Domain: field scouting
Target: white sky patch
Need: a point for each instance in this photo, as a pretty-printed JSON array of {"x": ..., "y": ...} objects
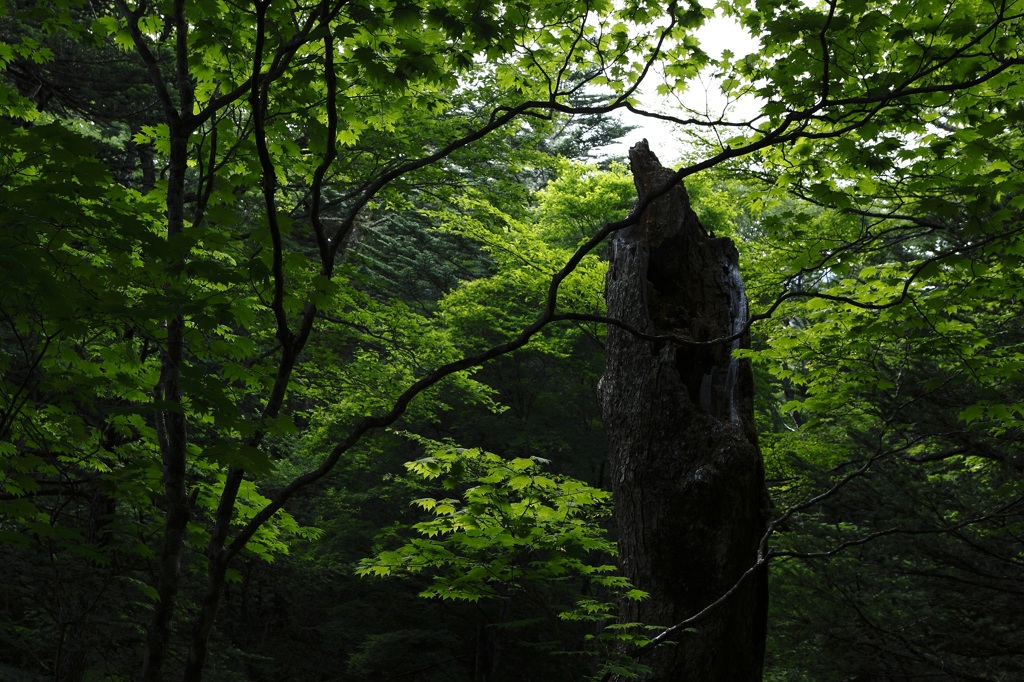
[{"x": 703, "y": 98}]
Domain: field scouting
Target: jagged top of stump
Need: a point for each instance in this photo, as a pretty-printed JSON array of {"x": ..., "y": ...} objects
[{"x": 648, "y": 173}]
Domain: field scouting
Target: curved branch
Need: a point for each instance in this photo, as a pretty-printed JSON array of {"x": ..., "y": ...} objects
[
  {"x": 863, "y": 540},
  {"x": 696, "y": 618},
  {"x": 825, "y": 57},
  {"x": 148, "y": 59}
]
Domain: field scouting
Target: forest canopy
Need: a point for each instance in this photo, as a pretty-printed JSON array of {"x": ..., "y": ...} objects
[{"x": 302, "y": 320}]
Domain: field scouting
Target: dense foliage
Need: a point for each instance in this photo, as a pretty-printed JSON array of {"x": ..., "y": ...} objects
[{"x": 258, "y": 256}]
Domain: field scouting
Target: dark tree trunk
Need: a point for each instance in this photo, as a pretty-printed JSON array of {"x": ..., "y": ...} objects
[{"x": 687, "y": 475}]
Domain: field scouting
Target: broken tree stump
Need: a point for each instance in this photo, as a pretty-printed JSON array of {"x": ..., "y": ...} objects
[{"x": 687, "y": 475}]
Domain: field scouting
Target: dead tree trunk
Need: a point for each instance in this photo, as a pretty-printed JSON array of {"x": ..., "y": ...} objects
[{"x": 687, "y": 475}]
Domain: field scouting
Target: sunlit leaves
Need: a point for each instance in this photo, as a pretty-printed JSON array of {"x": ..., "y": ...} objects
[
  {"x": 512, "y": 524},
  {"x": 866, "y": 63},
  {"x": 528, "y": 252}
]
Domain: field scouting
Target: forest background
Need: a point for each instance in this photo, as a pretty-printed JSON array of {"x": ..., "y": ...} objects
[{"x": 257, "y": 257}]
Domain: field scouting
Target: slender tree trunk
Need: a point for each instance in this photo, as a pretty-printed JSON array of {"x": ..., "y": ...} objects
[
  {"x": 687, "y": 475},
  {"x": 171, "y": 428}
]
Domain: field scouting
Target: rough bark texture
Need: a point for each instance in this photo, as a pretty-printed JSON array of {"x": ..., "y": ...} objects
[{"x": 690, "y": 500}]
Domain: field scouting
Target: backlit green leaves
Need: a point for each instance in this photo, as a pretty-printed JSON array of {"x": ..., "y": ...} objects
[
  {"x": 528, "y": 251},
  {"x": 511, "y": 525}
]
